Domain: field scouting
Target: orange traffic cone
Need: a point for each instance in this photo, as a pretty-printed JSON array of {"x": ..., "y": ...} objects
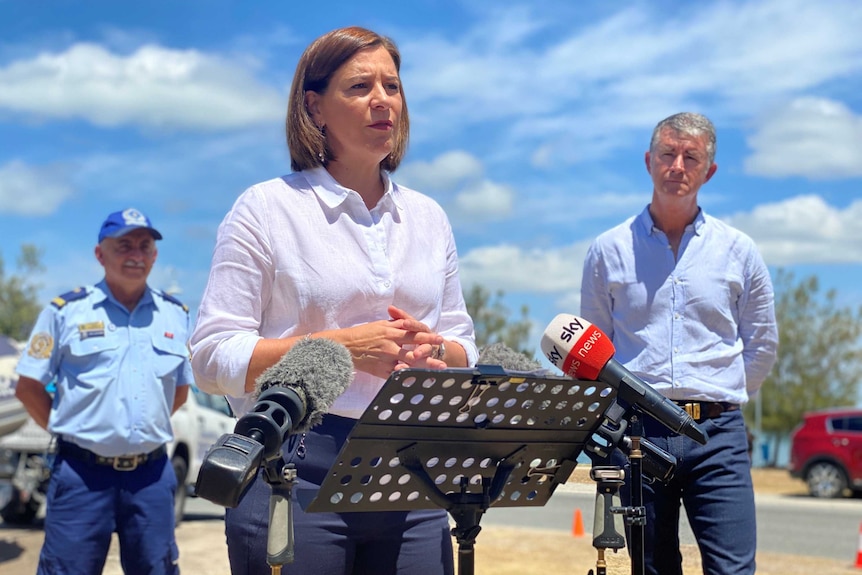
[
  {"x": 578, "y": 524},
  {"x": 859, "y": 550}
]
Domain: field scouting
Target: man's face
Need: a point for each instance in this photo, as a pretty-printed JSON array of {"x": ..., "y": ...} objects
[
  {"x": 679, "y": 163},
  {"x": 128, "y": 259}
]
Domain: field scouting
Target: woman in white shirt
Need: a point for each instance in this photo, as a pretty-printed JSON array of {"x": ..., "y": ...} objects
[{"x": 335, "y": 250}]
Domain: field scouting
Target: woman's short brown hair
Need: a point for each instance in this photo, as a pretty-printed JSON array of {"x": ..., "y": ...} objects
[{"x": 315, "y": 68}]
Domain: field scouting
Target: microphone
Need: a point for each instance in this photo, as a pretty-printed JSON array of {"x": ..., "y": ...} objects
[
  {"x": 317, "y": 370},
  {"x": 583, "y": 351},
  {"x": 507, "y": 358},
  {"x": 292, "y": 396}
]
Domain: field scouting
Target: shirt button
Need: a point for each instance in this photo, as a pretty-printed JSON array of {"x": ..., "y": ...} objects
[
  {"x": 387, "y": 283},
  {"x": 676, "y": 316}
]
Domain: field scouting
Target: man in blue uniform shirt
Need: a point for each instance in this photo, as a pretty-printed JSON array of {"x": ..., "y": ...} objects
[{"x": 118, "y": 353}]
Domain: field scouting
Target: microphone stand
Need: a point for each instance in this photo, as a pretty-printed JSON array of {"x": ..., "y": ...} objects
[
  {"x": 281, "y": 478},
  {"x": 641, "y": 455},
  {"x": 636, "y": 515},
  {"x": 607, "y": 521}
]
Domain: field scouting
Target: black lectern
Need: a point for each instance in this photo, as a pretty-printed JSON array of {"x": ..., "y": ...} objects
[{"x": 464, "y": 440}]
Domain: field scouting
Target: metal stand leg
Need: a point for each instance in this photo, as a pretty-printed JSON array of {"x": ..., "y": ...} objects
[
  {"x": 607, "y": 521},
  {"x": 279, "y": 544},
  {"x": 609, "y": 516},
  {"x": 636, "y": 518}
]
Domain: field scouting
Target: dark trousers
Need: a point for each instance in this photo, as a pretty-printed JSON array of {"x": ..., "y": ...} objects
[
  {"x": 713, "y": 484},
  {"x": 87, "y": 503},
  {"x": 380, "y": 543}
]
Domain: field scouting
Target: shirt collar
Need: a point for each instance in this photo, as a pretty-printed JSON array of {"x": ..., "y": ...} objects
[
  {"x": 102, "y": 292},
  {"x": 333, "y": 194},
  {"x": 648, "y": 225}
]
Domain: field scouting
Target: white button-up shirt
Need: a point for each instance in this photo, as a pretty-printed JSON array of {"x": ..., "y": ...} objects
[{"x": 302, "y": 254}]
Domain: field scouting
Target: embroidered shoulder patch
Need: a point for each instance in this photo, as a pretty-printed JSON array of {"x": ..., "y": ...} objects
[{"x": 41, "y": 345}]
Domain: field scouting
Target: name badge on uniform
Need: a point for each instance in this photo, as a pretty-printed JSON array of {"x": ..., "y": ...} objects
[{"x": 91, "y": 329}]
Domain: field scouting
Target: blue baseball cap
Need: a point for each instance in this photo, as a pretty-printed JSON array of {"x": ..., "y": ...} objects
[{"x": 120, "y": 223}]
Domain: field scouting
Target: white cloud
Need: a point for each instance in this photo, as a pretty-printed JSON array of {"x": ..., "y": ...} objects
[
  {"x": 154, "y": 87},
  {"x": 804, "y": 230},
  {"x": 810, "y": 137},
  {"x": 476, "y": 198},
  {"x": 486, "y": 200},
  {"x": 797, "y": 231},
  {"x": 580, "y": 96},
  {"x": 30, "y": 191},
  {"x": 444, "y": 173},
  {"x": 515, "y": 269}
]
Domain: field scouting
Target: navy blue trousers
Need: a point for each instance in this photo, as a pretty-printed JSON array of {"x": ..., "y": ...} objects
[
  {"x": 358, "y": 543},
  {"x": 713, "y": 484},
  {"x": 87, "y": 503}
]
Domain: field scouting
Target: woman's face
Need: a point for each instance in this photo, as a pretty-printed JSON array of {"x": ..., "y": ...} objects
[{"x": 361, "y": 108}]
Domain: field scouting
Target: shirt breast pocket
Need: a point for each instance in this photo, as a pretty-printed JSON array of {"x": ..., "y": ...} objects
[
  {"x": 94, "y": 359},
  {"x": 168, "y": 358}
]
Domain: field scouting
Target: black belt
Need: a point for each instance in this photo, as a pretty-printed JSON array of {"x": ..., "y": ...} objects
[
  {"x": 120, "y": 463},
  {"x": 700, "y": 410}
]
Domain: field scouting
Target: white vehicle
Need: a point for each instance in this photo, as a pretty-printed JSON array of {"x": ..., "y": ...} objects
[
  {"x": 26, "y": 454},
  {"x": 12, "y": 413}
]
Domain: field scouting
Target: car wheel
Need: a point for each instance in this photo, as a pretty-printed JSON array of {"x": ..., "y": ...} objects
[
  {"x": 826, "y": 480},
  {"x": 181, "y": 470}
]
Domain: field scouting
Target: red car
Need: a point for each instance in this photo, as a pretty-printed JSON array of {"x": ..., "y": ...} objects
[{"x": 826, "y": 451}]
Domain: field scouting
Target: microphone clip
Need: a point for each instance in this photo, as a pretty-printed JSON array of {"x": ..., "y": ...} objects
[{"x": 658, "y": 464}]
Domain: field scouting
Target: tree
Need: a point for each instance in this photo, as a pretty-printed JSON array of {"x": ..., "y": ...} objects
[
  {"x": 19, "y": 301},
  {"x": 819, "y": 356},
  {"x": 492, "y": 323}
]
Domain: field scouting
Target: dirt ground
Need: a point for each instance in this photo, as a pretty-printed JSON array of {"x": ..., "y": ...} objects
[{"x": 499, "y": 550}]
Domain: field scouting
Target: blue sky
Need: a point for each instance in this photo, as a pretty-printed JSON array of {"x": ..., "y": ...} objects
[{"x": 529, "y": 122}]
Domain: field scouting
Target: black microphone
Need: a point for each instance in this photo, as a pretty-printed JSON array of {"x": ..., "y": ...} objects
[
  {"x": 507, "y": 358},
  {"x": 292, "y": 396},
  {"x": 583, "y": 351}
]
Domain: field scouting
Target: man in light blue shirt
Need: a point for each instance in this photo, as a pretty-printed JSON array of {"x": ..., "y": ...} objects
[
  {"x": 118, "y": 354},
  {"x": 689, "y": 305}
]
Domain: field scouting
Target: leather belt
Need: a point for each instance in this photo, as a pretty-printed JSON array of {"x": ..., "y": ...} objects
[
  {"x": 120, "y": 462},
  {"x": 700, "y": 410}
]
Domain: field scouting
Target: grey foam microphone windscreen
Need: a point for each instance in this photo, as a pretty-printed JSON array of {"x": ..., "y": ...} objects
[
  {"x": 506, "y": 357},
  {"x": 319, "y": 369}
]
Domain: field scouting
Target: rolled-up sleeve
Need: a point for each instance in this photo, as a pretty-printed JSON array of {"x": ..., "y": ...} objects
[
  {"x": 455, "y": 323},
  {"x": 239, "y": 284}
]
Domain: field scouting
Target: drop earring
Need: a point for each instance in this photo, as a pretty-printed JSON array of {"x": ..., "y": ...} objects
[{"x": 321, "y": 155}]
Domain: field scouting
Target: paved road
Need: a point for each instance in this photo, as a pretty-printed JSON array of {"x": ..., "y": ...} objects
[
  {"x": 794, "y": 525},
  {"x": 786, "y": 524}
]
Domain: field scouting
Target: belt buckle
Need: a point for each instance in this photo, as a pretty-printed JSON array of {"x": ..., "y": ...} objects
[
  {"x": 693, "y": 409},
  {"x": 125, "y": 463}
]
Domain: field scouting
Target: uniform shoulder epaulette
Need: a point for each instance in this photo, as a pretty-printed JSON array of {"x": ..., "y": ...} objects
[
  {"x": 174, "y": 300},
  {"x": 76, "y": 294}
]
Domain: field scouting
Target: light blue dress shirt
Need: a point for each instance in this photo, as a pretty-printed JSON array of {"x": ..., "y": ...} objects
[
  {"x": 699, "y": 326},
  {"x": 116, "y": 371}
]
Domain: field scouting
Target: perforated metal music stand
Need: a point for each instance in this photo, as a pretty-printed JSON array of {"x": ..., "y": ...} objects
[{"x": 464, "y": 440}]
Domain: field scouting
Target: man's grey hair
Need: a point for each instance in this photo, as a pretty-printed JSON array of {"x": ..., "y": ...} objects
[{"x": 690, "y": 124}]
